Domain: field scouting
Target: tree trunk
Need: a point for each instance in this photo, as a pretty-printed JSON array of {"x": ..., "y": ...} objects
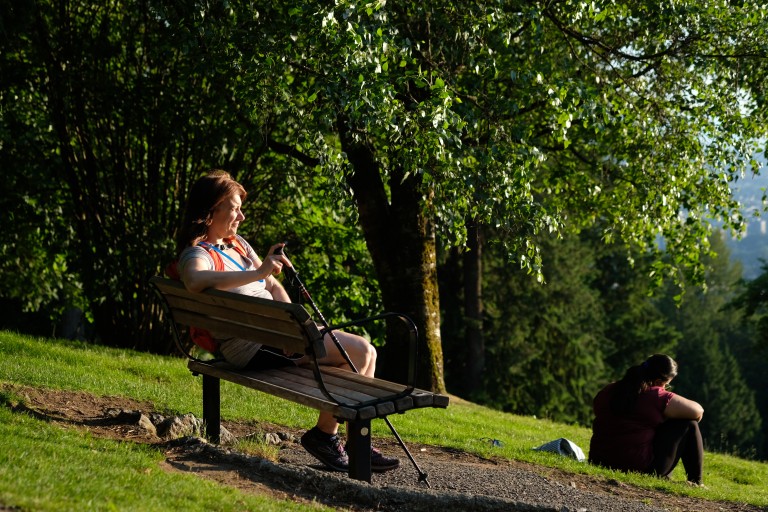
[
  {"x": 473, "y": 309},
  {"x": 401, "y": 240}
]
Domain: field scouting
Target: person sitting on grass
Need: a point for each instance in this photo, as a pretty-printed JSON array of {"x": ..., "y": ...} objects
[
  {"x": 211, "y": 219},
  {"x": 641, "y": 426}
]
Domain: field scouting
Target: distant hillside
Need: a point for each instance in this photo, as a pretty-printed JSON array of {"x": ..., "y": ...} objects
[{"x": 754, "y": 245}]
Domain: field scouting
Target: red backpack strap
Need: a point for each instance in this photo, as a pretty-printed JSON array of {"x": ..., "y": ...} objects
[
  {"x": 239, "y": 247},
  {"x": 218, "y": 263},
  {"x": 172, "y": 270},
  {"x": 203, "y": 339},
  {"x": 200, "y": 337}
]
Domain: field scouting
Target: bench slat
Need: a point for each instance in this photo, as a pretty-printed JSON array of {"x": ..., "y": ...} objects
[
  {"x": 298, "y": 384},
  {"x": 388, "y": 386},
  {"x": 337, "y": 389},
  {"x": 274, "y": 386},
  {"x": 343, "y": 378},
  {"x": 276, "y": 319},
  {"x": 256, "y": 305},
  {"x": 278, "y": 377},
  {"x": 421, "y": 397},
  {"x": 346, "y": 391},
  {"x": 215, "y": 302},
  {"x": 226, "y": 329},
  {"x": 375, "y": 388}
]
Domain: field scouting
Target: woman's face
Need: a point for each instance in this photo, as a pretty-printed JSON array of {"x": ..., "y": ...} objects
[{"x": 226, "y": 218}]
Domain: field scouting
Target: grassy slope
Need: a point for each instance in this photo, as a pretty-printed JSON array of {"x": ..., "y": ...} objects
[{"x": 165, "y": 381}]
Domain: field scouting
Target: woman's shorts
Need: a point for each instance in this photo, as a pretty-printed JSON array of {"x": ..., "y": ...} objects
[{"x": 269, "y": 357}]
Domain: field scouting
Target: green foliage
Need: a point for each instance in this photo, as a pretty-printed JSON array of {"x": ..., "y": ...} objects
[
  {"x": 753, "y": 302},
  {"x": 325, "y": 246},
  {"x": 127, "y": 112},
  {"x": 635, "y": 327},
  {"x": 33, "y": 253},
  {"x": 751, "y": 349},
  {"x": 529, "y": 117},
  {"x": 711, "y": 375},
  {"x": 544, "y": 344}
]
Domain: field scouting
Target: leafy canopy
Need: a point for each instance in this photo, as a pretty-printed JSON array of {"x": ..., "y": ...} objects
[{"x": 530, "y": 116}]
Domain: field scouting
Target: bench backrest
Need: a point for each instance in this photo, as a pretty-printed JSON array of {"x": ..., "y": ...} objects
[{"x": 277, "y": 324}]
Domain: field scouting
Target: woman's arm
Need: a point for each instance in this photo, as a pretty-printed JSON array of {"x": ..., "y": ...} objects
[
  {"x": 196, "y": 276},
  {"x": 276, "y": 289},
  {"x": 684, "y": 409}
]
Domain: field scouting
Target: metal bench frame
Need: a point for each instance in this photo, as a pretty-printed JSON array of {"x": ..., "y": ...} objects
[{"x": 350, "y": 397}]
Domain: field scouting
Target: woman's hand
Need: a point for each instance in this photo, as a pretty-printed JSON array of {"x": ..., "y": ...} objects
[{"x": 273, "y": 262}]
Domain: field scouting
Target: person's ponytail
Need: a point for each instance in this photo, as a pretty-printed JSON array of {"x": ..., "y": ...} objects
[
  {"x": 638, "y": 379},
  {"x": 626, "y": 391}
]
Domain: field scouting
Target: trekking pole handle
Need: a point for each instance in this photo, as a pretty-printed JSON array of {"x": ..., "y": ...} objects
[{"x": 289, "y": 271}]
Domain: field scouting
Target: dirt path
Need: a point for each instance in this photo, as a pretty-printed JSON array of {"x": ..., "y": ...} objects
[{"x": 458, "y": 480}]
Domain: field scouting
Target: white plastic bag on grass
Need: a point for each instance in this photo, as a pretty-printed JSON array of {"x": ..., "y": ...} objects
[{"x": 563, "y": 446}]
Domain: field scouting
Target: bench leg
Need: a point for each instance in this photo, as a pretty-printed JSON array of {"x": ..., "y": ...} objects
[
  {"x": 359, "y": 449},
  {"x": 212, "y": 407}
]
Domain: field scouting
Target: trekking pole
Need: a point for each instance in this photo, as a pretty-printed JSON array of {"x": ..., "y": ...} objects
[{"x": 292, "y": 275}]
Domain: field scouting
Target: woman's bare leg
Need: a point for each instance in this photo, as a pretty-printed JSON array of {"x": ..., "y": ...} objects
[{"x": 363, "y": 356}]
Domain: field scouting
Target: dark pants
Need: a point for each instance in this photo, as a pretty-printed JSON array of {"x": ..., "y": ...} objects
[
  {"x": 269, "y": 357},
  {"x": 677, "y": 440}
]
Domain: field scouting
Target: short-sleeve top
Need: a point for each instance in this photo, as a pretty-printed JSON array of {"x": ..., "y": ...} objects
[
  {"x": 625, "y": 442},
  {"x": 255, "y": 289},
  {"x": 237, "y": 351}
]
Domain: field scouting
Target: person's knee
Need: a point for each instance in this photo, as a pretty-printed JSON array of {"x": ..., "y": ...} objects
[
  {"x": 690, "y": 424},
  {"x": 676, "y": 428},
  {"x": 371, "y": 353},
  {"x": 680, "y": 423},
  {"x": 367, "y": 351},
  {"x": 362, "y": 353}
]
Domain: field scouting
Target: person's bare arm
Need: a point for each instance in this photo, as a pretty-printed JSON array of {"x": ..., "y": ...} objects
[
  {"x": 277, "y": 290},
  {"x": 684, "y": 409},
  {"x": 197, "y": 277}
]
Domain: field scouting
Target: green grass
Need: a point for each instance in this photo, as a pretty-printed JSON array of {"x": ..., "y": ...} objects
[{"x": 44, "y": 467}]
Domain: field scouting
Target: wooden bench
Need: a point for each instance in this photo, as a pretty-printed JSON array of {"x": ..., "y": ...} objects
[{"x": 350, "y": 397}]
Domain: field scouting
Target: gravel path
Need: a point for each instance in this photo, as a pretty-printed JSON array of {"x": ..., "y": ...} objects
[{"x": 457, "y": 481}]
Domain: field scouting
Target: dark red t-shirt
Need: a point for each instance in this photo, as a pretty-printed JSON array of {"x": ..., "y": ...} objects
[{"x": 626, "y": 442}]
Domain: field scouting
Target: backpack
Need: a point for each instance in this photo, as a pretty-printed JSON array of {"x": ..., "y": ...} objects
[{"x": 202, "y": 337}]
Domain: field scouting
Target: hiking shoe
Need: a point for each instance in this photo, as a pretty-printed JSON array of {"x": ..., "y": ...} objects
[
  {"x": 381, "y": 463},
  {"x": 326, "y": 448}
]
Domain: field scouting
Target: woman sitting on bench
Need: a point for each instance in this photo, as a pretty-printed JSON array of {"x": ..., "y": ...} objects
[{"x": 208, "y": 231}]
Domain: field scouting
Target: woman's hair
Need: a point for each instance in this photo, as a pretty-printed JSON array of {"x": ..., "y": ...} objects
[
  {"x": 639, "y": 378},
  {"x": 206, "y": 194}
]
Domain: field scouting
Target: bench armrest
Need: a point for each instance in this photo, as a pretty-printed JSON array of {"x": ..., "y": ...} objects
[{"x": 413, "y": 337}]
